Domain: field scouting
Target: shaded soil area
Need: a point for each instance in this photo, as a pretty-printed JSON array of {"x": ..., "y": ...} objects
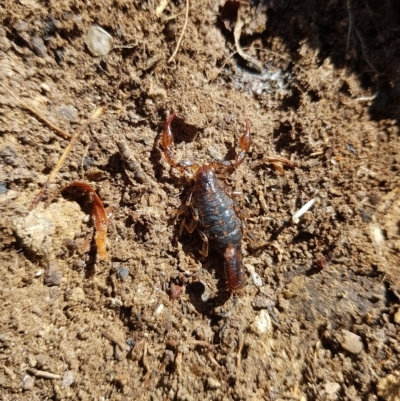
[{"x": 319, "y": 84}]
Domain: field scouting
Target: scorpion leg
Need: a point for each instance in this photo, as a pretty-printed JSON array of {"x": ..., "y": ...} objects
[
  {"x": 249, "y": 234},
  {"x": 167, "y": 141},
  {"x": 192, "y": 225},
  {"x": 243, "y": 217},
  {"x": 244, "y": 144},
  {"x": 204, "y": 248}
]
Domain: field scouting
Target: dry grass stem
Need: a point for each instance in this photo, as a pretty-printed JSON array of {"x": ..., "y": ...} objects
[
  {"x": 182, "y": 33},
  {"x": 65, "y": 154},
  {"x": 37, "y": 114}
]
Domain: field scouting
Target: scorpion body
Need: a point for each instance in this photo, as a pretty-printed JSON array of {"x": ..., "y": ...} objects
[{"x": 216, "y": 216}]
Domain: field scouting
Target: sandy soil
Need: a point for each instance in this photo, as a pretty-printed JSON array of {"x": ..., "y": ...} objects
[{"x": 319, "y": 318}]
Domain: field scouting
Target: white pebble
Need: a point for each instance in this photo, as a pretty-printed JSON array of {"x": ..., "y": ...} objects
[
  {"x": 256, "y": 279},
  {"x": 98, "y": 41},
  {"x": 45, "y": 87},
  {"x": 262, "y": 323},
  {"x": 159, "y": 309},
  {"x": 28, "y": 382},
  {"x": 68, "y": 378}
]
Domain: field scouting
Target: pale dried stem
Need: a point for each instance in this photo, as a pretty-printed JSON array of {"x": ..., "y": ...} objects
[
  {"x": 182, "y": 33},
  {"x": 36, "y": 113}
]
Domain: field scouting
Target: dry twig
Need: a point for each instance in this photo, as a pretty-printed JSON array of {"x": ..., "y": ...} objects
[
  {"x": 64, "y": 156},
  {"x": 236, "y": 34},
  {"x": 114, "y": 339},
  {"x": 37, "y": 114},
  {"x": 182, "y": 33},
  {"x": 42, "y": 374},
  {"x": 132, "y": 164}
]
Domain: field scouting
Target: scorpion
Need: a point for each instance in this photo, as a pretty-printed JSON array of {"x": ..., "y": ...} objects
[{"x": 218, "y": 219}]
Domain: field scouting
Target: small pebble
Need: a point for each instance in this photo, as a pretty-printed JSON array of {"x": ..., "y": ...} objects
[
  {"x": 98, "y": 41},
  {"x": 37, "y": 310},
  {"x": 351, "y": 342},
  {"x": 43, "y": 362},
  {"x": 68, "y": 378},
  {"x": 53, "y": 275},
  {"x": 388, "y": 388},
  {"x": 261, "y": 302},
  {"x": 76, "y": 295},
  {"x": 262, "y": 323},
  {"x": 159, "y": 309},
  {"x": 45, "y": 87},
  {"x": 122, "y": 272},
  {"x": 28, "y": 382},
  {"x": 69, "y": 113},
  {"x": 397, "y": 316},
  {"x": 3, "y": 188},
  {"x": 38, "y": 46},
  {"x": 213, "y": 384},
  {"x": 331, "y": 388},
  {"x": 256, "y": 279}
]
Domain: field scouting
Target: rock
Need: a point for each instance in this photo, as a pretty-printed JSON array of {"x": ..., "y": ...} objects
[
  {"x": 3, "y": 188},
  {"x": 260, "y": 302},
  {"x": 35, "y": 232},
  {"x": 28, "y": 382},
  {"x": 53, "y": 275},
  {"x": 262, "y": 323},
  {"x": 68, "y": 378},
  {"x": 397, "y": 316},
  {"x": 67, "y": 112},
  {"x": 213, "y": 384},
  {"x": 98, "y": 41},
  {"x": 38, "y": 46},
  {"x": 388, "y": 388},
  {"x": 76, "y": 295},
  {"x": 256, "y": 279},
  {"x": 331, "y": 388},
  {"x": 351, "y": 342},
  {"x": 122, "y": 272}
]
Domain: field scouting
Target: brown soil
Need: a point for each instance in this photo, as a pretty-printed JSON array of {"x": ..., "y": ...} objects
[{"x": 319, "y": 318}]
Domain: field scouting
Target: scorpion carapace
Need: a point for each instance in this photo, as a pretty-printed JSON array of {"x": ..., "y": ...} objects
[{"x": 216, "y": 216}]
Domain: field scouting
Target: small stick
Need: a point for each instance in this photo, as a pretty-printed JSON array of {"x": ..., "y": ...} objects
[
  {"x": 42, "y": 374},
  {"x": 349, "y": 10},
  {"x": 59, "y": 131},
  {"x": 239, "y": 351},
  {"x": 201, "y": 343},
  {"x": 64, "y": 156},
  {"x": 178, "y": 363},
  {"x": 236, "y": 35},
  {"x": 131, "y": 163},
  {"x": 121, "y": 344},
  {"x": 144, "y": 359},
  {"x": 302, "y": 210},
  {"x": 8, "y": 371},
  {"x": 182, "y": 33}
]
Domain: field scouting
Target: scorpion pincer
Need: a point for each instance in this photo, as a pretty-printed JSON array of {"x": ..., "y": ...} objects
[{"x": 219, "y": 221}]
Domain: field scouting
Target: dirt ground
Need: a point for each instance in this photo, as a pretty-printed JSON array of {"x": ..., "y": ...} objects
[{"x": 319, "y": 318}]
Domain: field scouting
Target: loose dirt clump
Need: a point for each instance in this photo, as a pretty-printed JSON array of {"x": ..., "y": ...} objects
[{"x": 319, "y": 84}]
